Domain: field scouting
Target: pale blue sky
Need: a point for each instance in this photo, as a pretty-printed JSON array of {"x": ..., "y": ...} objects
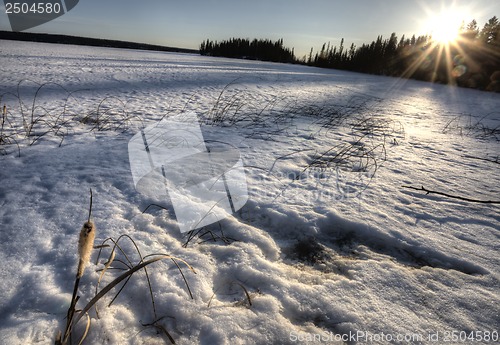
[{"x": 302, "y": 24}]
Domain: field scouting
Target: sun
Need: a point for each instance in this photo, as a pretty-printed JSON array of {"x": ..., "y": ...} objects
[
  {"x": 444, "y": 55},
  {"x": 445, "y": 27}
]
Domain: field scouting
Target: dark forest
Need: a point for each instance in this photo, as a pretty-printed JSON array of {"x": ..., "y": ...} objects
[{"x": 472, "y": 60}]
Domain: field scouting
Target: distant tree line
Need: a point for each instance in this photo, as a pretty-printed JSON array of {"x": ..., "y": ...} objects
[
  {"x": 473, "y": 60},
  {"x": 241, "y": 48},
  {"x": 86, "y": 41}
]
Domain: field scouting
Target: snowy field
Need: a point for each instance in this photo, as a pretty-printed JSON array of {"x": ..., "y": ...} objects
[{"x": 329, "y": 248}]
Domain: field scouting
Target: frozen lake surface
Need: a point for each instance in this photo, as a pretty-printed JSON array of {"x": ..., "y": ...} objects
[{"x": 328, "y": 244}]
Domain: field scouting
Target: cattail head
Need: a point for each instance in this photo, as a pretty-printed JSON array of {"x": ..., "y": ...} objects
[{"x": 85, "y": 245}]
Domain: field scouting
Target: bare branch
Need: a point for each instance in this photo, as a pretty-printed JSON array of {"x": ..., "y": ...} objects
[
  {"x": 427, "y": 191},
  {"x": 484, "y": 159}
]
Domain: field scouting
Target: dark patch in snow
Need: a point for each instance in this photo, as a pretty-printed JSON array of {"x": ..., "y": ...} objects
[{"x": 306, "y": 250}]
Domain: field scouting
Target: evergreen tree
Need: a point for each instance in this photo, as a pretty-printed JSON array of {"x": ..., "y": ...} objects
[
  {"x": 472, "y": 61},
  {"x": 490, "y": 32}
]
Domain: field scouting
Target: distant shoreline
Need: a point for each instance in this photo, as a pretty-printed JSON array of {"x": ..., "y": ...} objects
[{"x": 86, "y": 41}]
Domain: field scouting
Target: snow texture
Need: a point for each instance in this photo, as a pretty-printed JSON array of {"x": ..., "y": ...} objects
[{"x": 328, "y": 243}]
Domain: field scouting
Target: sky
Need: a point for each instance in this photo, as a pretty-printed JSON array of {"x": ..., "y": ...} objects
[{"x": 302, "y": 24}]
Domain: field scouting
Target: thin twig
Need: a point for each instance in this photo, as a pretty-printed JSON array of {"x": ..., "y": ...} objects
[
  {"x": 427, "y": 191},
  {"x": 484, "y": 159},
  {"x": 90, "y": 206},
  {"x": 160, "y": 328}
]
